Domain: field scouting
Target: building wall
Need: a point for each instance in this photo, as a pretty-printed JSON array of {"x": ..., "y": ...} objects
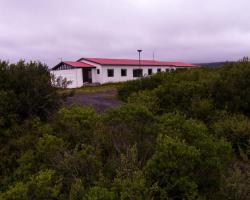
[
  {"x": 96, "y": 78},
  {"x": 102, "y": 77},
  {"x": 74, "y": 75},
  {"x": 117, "y": 72}
]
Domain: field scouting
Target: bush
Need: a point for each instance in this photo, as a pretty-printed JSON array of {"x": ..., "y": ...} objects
[
  {"x": 44, "y": 185},
  {"x": 127, "y": 126},
  {"x": 186, "y": 144},
  {"x": 75, "y": 124},
  {"x": 236, "y": 129},
  {"x": 181, "y": 135},
  {"x": 148, "y": 83},
  {"x": 198, "y": 91},
  {"x": 28, "y": 90}
]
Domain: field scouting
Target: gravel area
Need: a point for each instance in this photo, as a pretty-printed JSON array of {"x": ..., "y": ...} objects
[{"x": 99, "y": 100}]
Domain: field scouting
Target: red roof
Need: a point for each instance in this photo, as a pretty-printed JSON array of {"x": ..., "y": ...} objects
[
  {"x": 78, "y": 64},
  {"x": 74, "y": 64},
  {"x": 134, "y": 62}
]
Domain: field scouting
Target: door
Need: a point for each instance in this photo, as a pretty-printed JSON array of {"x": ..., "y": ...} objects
[{"x": 86, "y": 76}]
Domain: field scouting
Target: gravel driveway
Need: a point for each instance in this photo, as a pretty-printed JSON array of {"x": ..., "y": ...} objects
[{"x": 99, "y": 100}]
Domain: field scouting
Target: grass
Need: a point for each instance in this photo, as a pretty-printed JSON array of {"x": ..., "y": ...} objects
[{"x": 94, "y": 88}]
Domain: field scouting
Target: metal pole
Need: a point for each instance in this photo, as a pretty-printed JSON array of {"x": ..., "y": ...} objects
[{"x": 139, "y": 51}]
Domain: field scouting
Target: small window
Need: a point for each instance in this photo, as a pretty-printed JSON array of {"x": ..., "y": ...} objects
[
  {"x": 159, "y": 70},
  {"x": 137, "y": 72},
  {"x": 123, "y": 72},
  {"x": 167, "y": 70},
  {"x": 149, "y": 71},
  {"x": 98, "y": 71},
  {"x": 110, "y": 72}
]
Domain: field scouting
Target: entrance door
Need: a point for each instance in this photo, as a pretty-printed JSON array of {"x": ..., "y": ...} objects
[{"x": 86, "y": 76}]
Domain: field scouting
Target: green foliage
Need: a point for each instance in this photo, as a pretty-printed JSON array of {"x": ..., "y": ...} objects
[
  {"x": 130, "y": 182},
  {"x": 178, "y": 96},
  {"x": 146, "y": 99},
  {"x": 171, "y": 169},
  {"x": 231, "y": 90},
  {"x": 187, "y": 145},
  {"x": 83, "y": 162},
  {"x": 149, "y": 83},
  {"x": 214, "y": 153},
  {"x": 27, "y": 90},
  {"x": 17, "y": 192},
  {"x": 14, "y": 142},
  {"x": 50, "y": 150},
  {"x": 198, "y": 91},
  {"x": 99, "y": 193},
  {"x": 77, "y": 190},
  {"x": 180, "y": 135},
  {"x": 237, "y": 182},
  {"x": 75, "y": 124},
  {"x": 7, "y": 110},
  {"x": 236, "y": 129},
  {"x": 128, "y": 126},
  {"x": 44, "y": 185}
]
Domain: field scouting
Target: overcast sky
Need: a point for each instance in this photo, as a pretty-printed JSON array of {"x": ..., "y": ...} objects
[{"x": 185, "y": 30}]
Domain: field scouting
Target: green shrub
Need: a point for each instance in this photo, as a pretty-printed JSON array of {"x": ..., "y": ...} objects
[{"x": 29, "y": 89}]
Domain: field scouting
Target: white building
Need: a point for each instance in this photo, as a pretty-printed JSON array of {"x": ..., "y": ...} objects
[{"x": 103, "y": 70}]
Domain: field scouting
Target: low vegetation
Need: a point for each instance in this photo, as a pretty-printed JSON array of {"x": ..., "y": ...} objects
[
  {"x": 180, "y": 135},
  {"x": 93, "y": 88}
]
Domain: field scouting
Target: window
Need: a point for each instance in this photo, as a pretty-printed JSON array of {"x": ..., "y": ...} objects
[
  {"x": 137, "y": 72},
  {"x": 64, "y": 67},
  {"x": 159, "y": 70},
  {"x": 149, "y": 71},
  {"x": 110, "y": 72},
  {"x": 98, "y": 71},
  {"x": 167, "y": 70},
  {"x": 123, "y": 72}
]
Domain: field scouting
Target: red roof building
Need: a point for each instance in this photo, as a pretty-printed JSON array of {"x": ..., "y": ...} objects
[
  {"x": 105, "y": 70},
  {"x": 134, "y": 62}
]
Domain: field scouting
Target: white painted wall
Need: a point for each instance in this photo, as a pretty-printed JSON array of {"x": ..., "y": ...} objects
[
  {"x": 74, "y": 75},
  {"x": 117, "y": 72},
  {"x": 102, "y": 77},
  {"x": 96, "y": 78}
]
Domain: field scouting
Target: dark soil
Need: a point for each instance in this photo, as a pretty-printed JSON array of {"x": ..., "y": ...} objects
[{"x": 100, "y": 100}]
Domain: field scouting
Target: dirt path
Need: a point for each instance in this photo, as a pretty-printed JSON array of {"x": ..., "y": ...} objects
[{"x": 101, "y": 100}]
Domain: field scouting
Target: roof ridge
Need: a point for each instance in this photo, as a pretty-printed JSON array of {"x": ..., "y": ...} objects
[{"x": 133, "y": 62}]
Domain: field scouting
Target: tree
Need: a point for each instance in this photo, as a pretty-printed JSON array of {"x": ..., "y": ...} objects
[
  {"x": 29, "y": 88},
  {"x": 236, "y": 182},
  {"x": 236, "y": 129},
  {"x": 172, "y": 168},
  {"x": 75, "y": 124},
  {"x": 96, "y": 193},
  {"x": 130, "y": 182},
  {"x": 127, "y": 126},
  {"x": 147, "y": 99},
  {"x": 187, "y": 140},
  {"x": 44, "y": 185}
]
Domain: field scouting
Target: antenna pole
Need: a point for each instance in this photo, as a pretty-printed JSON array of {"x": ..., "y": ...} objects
[{"x": 139, "y": 51}]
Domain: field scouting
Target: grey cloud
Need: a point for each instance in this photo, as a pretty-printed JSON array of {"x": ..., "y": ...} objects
[{"x": 186, "y": 30}]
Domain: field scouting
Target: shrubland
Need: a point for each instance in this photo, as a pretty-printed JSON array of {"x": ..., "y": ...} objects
[{"x": 179, "y": 135}]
